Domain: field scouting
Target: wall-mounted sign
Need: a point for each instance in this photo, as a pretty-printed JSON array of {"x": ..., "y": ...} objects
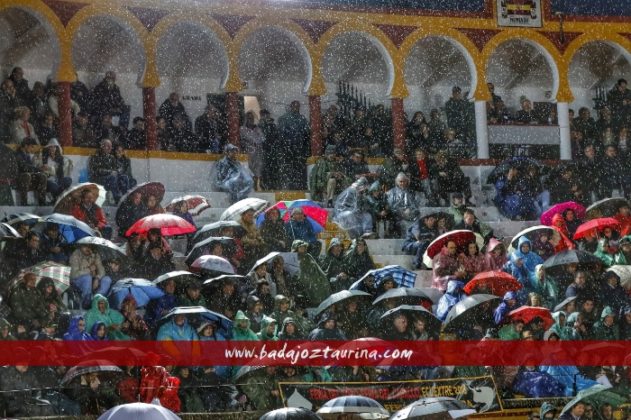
[{"x": 519, "y": 13}]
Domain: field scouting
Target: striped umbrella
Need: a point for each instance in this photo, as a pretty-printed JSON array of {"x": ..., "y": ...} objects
[
  {"x": 314, "y": 213},
  {"x": 356, "y": 404},
  {"x": 60, "y": 274},
  {"x": 196, "y": 204},
  {"x": 401, "y": 276}
]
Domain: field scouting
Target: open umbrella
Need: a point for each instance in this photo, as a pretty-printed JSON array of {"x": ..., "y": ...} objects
[
  {"x": 436, "y": 408},
  {"x": 235, "y": 211},
  {"x": 353, "y": 404},
  {"x": 142, "y": 290},
  {"x": 624, "y": 272},
  {"x": 597, "y": 225},
  {"x": 290, "y": 261},
  {"x": 175, "y": 275},
  {"x": 139, "y": 411},
  {"x": 343, "y": 296},
  {"x": 561, "y": 305},
  {"x": 215, "y": 282},
  {"x": 98, "y": 366},
  {"x": 146, "y": 189},
  {"x": 415, "y": 311},
  {"x": 169, "y": 225},
  {"x": 605, "y": 208},
  {"x": 528, "y": 313},
  {"x": 59, "y": 273},
  {"x": 595, "y": 395},
  {"x": 468, "y": 309},
  {"x": 213, "y": 264},
  {"x": 461, "y": 237},
  {"x": 7, "y": 231},
  {"x": 196, "y": 315},
  {"x": 408, "y": 295},
  {"x": 290, "y": 413},
  {"x": 204, "y": 247},
  {"x": 494, "y": 282},
  {"x": 108, "y": 250},
  {"x": 72, "y": 196},
  {"x": 195, "y": 203},
  {"x": 400, "y": 275},
  {"x": 569, "y": 257},
  {"x": 71, "y": 229},
  {"x": 28, "y": 218},
  {"x": 314, "y": 213},
  {"x": 533, "y": 233},
  {"x": 546, "y": 216},
  {"x": 213, "y": 229}
]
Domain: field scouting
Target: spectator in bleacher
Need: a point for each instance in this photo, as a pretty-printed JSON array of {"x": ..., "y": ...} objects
[
  {"x": 172, "y": 107},
  {"x": 129, "y": 212},
  {"x": 381, "y": 123},
  {"x": 357, "y": 259},
  {"x": 299, "y": 228},
  {"x": 578, "y": 143},
  {"x": 589, "y": 166},
  {"x": 404, "y": 203},
  {"x": 398, "y": 163},
  {"x": 82, "y": 132},
  {"x": 270, "y": 149},
  {"x": 332, "y": 121},
  {"x": 612, "y": 173},
  {"x": 586, "y": 125},
  {"x": 424, "y": 163},
  {"x": 453, "y": 146},
  {"x": 352, "y": 211},
  {"x": 332, "y": 263},
  {"x": 26, "y": 303},
  {"x": 21, "y": 128},
  {"x": 436, "y": 126},
  {"x": 47, "y": 129},
  {"x": 605, "y": 120},
  {"x": 8, "y": 102},
  {"x": 294, "y": 143},
  {"x": 447, "y": 177},
  {"x": 39, "y": 103},
  {"x": 273, "y": 231},
  {"x": 541, "y": 198},
  {"x": 327, "y": 178},
  {"x": 472, "y": 260},
  {"x": 418, "y": 237},
  {"x": 356, "y": 167},
  {"x": 106, "y": 130},
  {"x": 616, "y": 98},
  {"x": 123, "y": 167},
  {"x": 526, "y": 114},
  {"x": 156, "y": 262},
  {"x": 165, "y": 141},
  {"x": 30, "y": 177},
  {"x": 418, "y": 138},
  {"x": 137, "y": 137},
  {"x": 231, "y": 177},
  {"x": 9, "y": 173},
  {"x": 499, "y": 114},
  {"x": 471, "y": 222},
  {"x": 512, "y": 197},
  {"x": 252, "y": 140},
  {"x": 107, "y": 100},
  {"x": 456, "y": 109},
  {"x": 183, "y": 139},
  {"x": 22, "y": 90},
  {"x": 53, "y": 243},
  {"x": 211, "y": 130},
  {"x": 91, "y": 214},
  {"x": 79, "y": 93},
  {"x": 103, "y": 170},
  {"x": 253, "y": 243},
  {"x": 53, "y": 102},
  {"x": 57, "y": 168},
  {"x": 495, "y": 255},
  {"x": 494, "y": 97},
  {"x": 355, "y": 132},
  {"x": 446, "y": 267}
]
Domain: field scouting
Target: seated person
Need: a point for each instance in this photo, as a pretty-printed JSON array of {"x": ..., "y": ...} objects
[
  {"x": 352, "y": 211},
  {"x": 299, "y": 228},
  {"x": 526, "y": 115},
  {"x": 88, "y": 274},
  {"x": 327, "y": 178},
  {"x": 57, "y": 168},
  {"x": 104, "y": 169},
  {"x": 231, "y": 177},
  {"x": 91, "y": 214},
  {"x": 404, "y": 203},
  {"x": 447, "y": 177},
  {"x": 30, "y": 177},
  {"x": 418, "y": 238}
]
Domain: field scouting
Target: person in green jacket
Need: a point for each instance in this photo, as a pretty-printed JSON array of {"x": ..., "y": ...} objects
[
  {"x": 623, "y": 256},
  {"x": 334, "y": 266},
  {"x": 268, "y": 329},
  {"x": 242, "y": 331},
  {"x": 310, "y": 280},
  {"x": 547, "y": 411},
  {"x": 281, "y": 309},
  {"x": 100, "y": 311},
  {"x": 604, "y": 252},
  {"x": 327, "y": 177},
  {"x": 560, "y": 327},
  {"x": 607, "y": 328},
  {"x": 511, "y": 331}
]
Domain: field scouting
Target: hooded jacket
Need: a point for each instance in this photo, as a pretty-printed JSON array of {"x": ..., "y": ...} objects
[
  {"x": 494, "y": 262},
  {"x": 503, "y": 309},
  {"x": 173, "y": 332},
  {"x": 297, "y": 335},
  {"x": 564, "y": 332},
  {"x": 109, "y": 317},
  {"x": 73, "y": 333},
  {"x": 452, "y": 296},
  {"x": 263, "y": 335},
  {"x": 604, "y": 332},
  {"x": 242, "y": 334},
  {"x": 530, "y": 258},
  {"x": 332, "y": 265}
]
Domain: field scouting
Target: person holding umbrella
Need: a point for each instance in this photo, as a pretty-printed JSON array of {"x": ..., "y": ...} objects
[
  {"x": 90, "y": 213},
  {"x": 158, "y": 308},
  {"x": 52, "y": 244},
  {"x": 445, "y": 266},
  {"x": 88, "y": 274},
  {"x": 299, "y": 228},
  {"x": 333, "y": 265},
  {"x": 177, "y": 329}
]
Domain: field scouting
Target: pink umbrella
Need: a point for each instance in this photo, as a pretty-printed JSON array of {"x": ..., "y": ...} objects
[
  {"x": 169, "y": 225},
  {"x": 546, "y": 216}
]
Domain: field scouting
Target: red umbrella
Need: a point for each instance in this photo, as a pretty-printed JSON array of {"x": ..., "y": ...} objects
[
  {"x": 460, "y": 237},
  {"x": 528, "y": 313},
  {"x": 196, "y": 204},
  {"x": 169, "y": 225},
  {"x": 546, "y": 216},
  {"x": 596, "y": 225},
  {"x": 494, "y": 282}
]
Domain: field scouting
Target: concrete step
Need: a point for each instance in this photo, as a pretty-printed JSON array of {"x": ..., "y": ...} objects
[
  {"x": 385, "y": 246},
  {"x": 383, "y": 260},
  {"x": 423, "y": 278},
  {"x": 217, "y": 199}
]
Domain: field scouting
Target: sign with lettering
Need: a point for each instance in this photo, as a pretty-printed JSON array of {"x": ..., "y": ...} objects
[
  {"x": 479, "y": 393},
  {"x": 519, "y": 13}
]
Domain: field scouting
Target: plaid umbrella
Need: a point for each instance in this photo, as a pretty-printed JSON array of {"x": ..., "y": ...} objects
[
  {"x": 60, "y": 274},
  {"x": 196, "y": 204},
  {"x": 401, "y": 276}
]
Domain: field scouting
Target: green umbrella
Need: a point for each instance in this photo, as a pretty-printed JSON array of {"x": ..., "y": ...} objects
[{"x": 596, "y": 395}]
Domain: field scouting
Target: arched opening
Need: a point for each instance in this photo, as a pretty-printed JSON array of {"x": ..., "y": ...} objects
[{"x": 276, "y": 69}]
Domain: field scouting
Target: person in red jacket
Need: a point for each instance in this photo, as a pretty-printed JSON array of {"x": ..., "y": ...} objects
[
  {"x": 156, "y": 382},
  {"x": 90, "y": 213}
]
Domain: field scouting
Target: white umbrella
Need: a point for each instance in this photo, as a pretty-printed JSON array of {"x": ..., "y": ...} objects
[
  {"x": 139, "y": 411},
  {"x": 532, "y": 231},
  {"x": 212, "y": 263},
  {"x": 353, "y": 404},
  {"x": 434, "y": 407},
  {"x": 235, "y": 211},
  {"x": 624, "y": 272}
]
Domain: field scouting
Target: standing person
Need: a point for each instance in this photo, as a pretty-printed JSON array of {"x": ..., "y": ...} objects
[
  {"x": 293, "y": 132},
  {"x": 8, "y": 174},
  {"x": 456, "y": 110},
  {"x": 252, "y": 139},
  {"x": 617, "y": 98},
  {"x": 211, "y": 130},
  {"x": 352, "y": 211},
  {"x": 172, "y": 107},
  {"x": 22, "y": 90},
  {"x": 326, "y": 178},
  {"x": 271, "y": 151},
  {"x": 107, "y": 99},
  {"x": 231, "y": 177},
  {"x": 103, "y": 170},
  {"x": 8, "y": 102}
]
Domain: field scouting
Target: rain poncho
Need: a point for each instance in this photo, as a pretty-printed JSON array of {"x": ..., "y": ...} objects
[
  {"x": 501, "y": 312},
  {"x": 536, "y": 384},
  {"x": 495, "y": 262},
  {"x": 560, "y": 327},
  {"x": 530, "y": 259},
  {"x": 109, "y": 317},
  {"x": 74, "y": 334},
  {"x": 358, "y": 264},
  {"x": 234, "y": 179},
  {"x": 352, "y": 211},
  {"x": 311, "y": 280},
  {"x": 546, "y": 407},
  {"x": 173, "y": 332},
  {"x": 604, "y": 332},
  {"x": 264, "y": 335},
  {"x": 568, "y": 376},
  {"x": 334, "y": 265},
  {"x": 606, "y": 257},
  {"x": 508, "y": 332},
  {"x": 452, "y": 296},
  {"x": 245, "y": 333},
  {"x": 512, "y": 199}
]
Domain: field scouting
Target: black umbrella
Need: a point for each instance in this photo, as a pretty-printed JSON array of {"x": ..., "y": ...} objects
[
  {"x": 410, "y": 295},
  {"x": 469, "y": 308},
  {"x": 434, "y": 408},
  {"x": 290, "y": 413},
  {"x": 570, "y": 256},
  {"x": 178, "y": 275},
  {"x": 213, "y": 229},
  {"x": 605, "y": 208},
  {"x": 218, "y": 281},
  {"x": 28, "y": 218},
  {"x": 205, "y": 246},
  {"x": 415, "y": 311},
  {"x": 342, "y": 296}
]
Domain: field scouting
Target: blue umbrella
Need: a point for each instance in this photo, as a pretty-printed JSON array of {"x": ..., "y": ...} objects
[
  {"x": 142, "y": 290},
  {"x": 71, "y": 229},
  {"x": 401, "y": 276},
  {"x": 201, "y": 313}
]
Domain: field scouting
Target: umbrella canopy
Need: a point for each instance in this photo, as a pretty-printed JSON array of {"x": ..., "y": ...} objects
[
  {"x": 434, "y": 408},
  {"x": 624, "y": 272},
  {"x": 569, "y": 257},
  {"x": 142, "y": 290},
  {"x": 314, "y": 213},
  {"x": 139, "y": 411},
  {"x": 461, "y": 237},
  {"x": 72, "y": 196},
  {"x": 401, "y": 276},
  {"x": 169, "y": 225},
  {"x": 353, "y": 404},
  {"x": 195, "y": 203},
  {"x": 596, "y": 225},
  {"x": 175, "y": 275},
  {"x": 290, "y": 261},
  {"x": 212, "y": 263},
  {"x": 546, "y": 216},
  {"x": 343, "y": 296},
  {"x": 404, "y": 295},
  {"x": 518, "y": 162},
  {"x": 561, "y": 305},
  {"x": 71, "y": 228},
  {"x": 197, "y": 314},
  {"x": 204, "y": 247},
  {"x": 235, "y": 211},
  {"x": 595, "y": 395},
  {"x": 98, "y": 366},
  {"x": 533, "y": 234},
  {"x": 528, "y": 313},
  {"x": 108, "y": 250},
  {"x": 605, "y": 208},
  {"x": 213, "y": 229},
  {"x": 28, "y": 218},
  {"x": 290, "y": 413},
  {"x": 494, "y": 282},
  {"x": 7, "y": 231},
  {"x": 218, "y": 281},
  {"x": 415, "y": 311},
  {"x": 146, "y": 189},
  {"x": 59, "y": 273},
  {"x": 468, "y": 309}
]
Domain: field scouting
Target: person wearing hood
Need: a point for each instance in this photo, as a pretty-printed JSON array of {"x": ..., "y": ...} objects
[
  {"x": 612, "y": 293},
  {"x": 509, "y": 302},
  {"x": 512, "y": 196},
  {"x": 56, "y": 166},
  {"x": 77, "y": 330},
  {"x": 327, "y": 330},
  {"x": 51, "y": 299},
  {"x": 607, "y": 327},
  {"x": 281, "y": 309},
  {"x": 623, "y": 256},
  {"x": 397, "y": 329},
  {"x": 352, "y": 211},
  {"x": 378, "y": 206},
  {"x": 192, "y": 296},
  {"x": 264, "y": 293},
  {"x": 545, "y": 287},
  {"x": 333, "y": 265},
  {"x": 253, "y": 244},
  {"x": 290, "y": 330},
  {"x": 254, "y": 312},
  {"x": 310, "y": 280},
  {"x": 273, "y": 231},
  {"x": 100, "y": 311},
  {"x": 452, "y": 296},
  {"x": 53, "y": 244},
  {"x": 512, "y": 330},
  {"x": 177, "y": 329},
  {"x": 268, "y": 329},
  {"x": 130, "y": 211},
  {"x": 231, "y": 177},
  {"x": 5, "y": 330},
  {"x": 242, "y": 331},
  {"x": 133, "y": 325},
  {"x": 99, "y": 331},
  {"x": 357, "y": 259},
  {"x": 560, "y": 327},
  {"x": 418, "y": 237},
  {"x": 157, "y": 308},
  {"x": 327, "y": 177},
  {"x": 208, "y": 331},
  {"x": 495, "y": 255},
  {"x": 258, "y": 273},
  {"x": 445, "y": 266},
  {"x": 522, "y": 265},
  {"x": 625, "y": 323},
  {"x": 352, "y": 319}
]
